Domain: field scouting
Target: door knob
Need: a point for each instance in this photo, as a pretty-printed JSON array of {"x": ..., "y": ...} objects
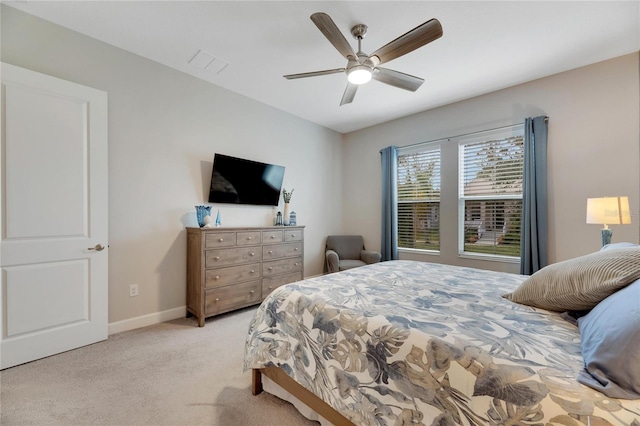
[{"x": 98, "y": 247}]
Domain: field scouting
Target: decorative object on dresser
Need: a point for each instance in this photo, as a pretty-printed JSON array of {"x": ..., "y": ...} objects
[
  {"x": 286, "y": 196},
  {"x": 231, "y": 268},
  {"x": 278, "y": 221},
  {"x": 201, "y": 213}
]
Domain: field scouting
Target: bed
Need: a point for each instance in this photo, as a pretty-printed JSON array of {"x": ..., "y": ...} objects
[{"x": 406, "y": 342}]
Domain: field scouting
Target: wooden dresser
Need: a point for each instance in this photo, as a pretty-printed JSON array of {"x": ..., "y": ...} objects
[{"x": 231, "y": 268}]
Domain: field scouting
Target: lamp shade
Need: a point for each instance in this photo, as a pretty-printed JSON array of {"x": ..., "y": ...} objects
[{"x": 608, "y": 210}]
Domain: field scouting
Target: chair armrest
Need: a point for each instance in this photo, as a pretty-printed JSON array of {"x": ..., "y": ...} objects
[
  {"x": 333, "y": 261},
  {"x": 369, "y": 256}
]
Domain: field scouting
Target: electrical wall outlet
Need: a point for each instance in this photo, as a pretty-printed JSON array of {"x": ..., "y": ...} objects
[{"x": 133, "y": 290}]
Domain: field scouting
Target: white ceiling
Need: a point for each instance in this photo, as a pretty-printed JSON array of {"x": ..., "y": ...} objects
[{"x": 486, "y": 46}]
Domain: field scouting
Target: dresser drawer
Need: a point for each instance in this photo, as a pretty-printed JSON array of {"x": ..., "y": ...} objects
[
  {"x": 293, "y": 235},
  {"x": 271, "y": 283},
  {"x": 226, "y": 298},
  {"x": 222, "y": 276},
  {"x": 219, "y": 239},
  {"x": 281, "y": 266},
  {"x": 269, "y": 237},
  {"x": 248, "y": 238},
  {"x": 233, "y": 256},
  {"x": 282, "y": 250}
]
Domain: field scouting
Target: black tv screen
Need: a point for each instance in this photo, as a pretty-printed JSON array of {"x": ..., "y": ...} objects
[{"x": 239, "y": 181}]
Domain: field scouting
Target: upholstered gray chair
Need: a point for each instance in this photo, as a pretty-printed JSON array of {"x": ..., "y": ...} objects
[{"x": 346, "y": 252}]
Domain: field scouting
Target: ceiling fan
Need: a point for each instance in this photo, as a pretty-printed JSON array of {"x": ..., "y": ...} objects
[{"x": 362, "y": 67}]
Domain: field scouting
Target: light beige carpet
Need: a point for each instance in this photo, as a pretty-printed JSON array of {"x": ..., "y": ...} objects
[{"x": 173, "y": 373}]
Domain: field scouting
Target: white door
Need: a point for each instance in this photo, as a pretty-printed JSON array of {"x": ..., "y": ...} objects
[{"x": 53, "y": 175}]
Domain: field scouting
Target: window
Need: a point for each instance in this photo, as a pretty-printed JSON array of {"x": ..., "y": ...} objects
[
  {"x": 481, "y": 173},
  {"x": 419, "y": 198},
  {"x": 490, "y": 193}
]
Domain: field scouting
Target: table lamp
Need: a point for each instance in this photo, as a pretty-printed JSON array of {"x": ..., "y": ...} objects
[{"x": 608, "y": 211}]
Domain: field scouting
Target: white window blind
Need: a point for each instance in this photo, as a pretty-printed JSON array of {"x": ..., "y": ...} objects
[
  {"x": 419, "y": 198},
  {"x": 491, "y": 195}
]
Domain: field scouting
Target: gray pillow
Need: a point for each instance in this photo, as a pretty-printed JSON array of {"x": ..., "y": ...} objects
[
  {"x": 580, "y": 283},
  {"x": 614, "y": 246},
  {"x": 610, "y": 344}
]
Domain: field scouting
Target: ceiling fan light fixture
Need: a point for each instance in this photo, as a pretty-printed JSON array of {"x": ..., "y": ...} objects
[{"x": 360, "y": 74}]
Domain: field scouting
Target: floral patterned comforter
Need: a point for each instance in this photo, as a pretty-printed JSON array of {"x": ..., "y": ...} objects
[{"x": 405, "y": 342}]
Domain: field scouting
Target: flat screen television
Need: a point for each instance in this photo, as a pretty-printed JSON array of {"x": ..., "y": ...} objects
[{"x": 239, "y": 181}]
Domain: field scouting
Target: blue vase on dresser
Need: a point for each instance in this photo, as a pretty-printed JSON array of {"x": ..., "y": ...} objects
[{"x": 201, "y": 212}]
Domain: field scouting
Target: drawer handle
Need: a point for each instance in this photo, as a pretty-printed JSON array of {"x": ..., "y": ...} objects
[
  {"x": 252, "y": 254},
  {"x": 295, "y": 249},
  {"x": 217, "y": 298},
  {"x": 296, "y": 264},
  {"x": 270, "y": 268},
  {"x": 253, "y": 291},
  {"x": 217, "y": 277},
  {"x": 272, "y": 237},
  {"x": 293, "y": 235},
  {"x": 270, "y": 251},
  {"x": 221, "y": 239},
  {"x": 252, "y": 271},
  {"x": 217, "y": 258},
  {"x": 270, "y": 287},
  {"x": 249, "y": 238}
]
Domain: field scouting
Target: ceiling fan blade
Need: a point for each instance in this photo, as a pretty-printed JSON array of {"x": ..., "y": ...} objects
[
  {"x": 349, "y": 94},
  {"x": 410, "y": 41},
  {"x": 397, "y": 79},
  {"x": 330, "y": 30},
  {"x": 313, "y": 74}
]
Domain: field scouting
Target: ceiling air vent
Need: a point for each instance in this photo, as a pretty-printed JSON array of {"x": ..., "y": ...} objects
[{"x": 208, "y": 62}]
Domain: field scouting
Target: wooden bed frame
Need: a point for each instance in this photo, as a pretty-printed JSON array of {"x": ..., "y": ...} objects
[{"x": 305, "y": 396}]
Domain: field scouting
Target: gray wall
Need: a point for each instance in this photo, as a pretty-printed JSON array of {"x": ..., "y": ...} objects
[
  {"x": 593, "y": 152},
  {"x": 164, "y": 128}
]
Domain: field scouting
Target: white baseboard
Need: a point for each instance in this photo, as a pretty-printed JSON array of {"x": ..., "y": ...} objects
[{"x": 145, "y": 320}]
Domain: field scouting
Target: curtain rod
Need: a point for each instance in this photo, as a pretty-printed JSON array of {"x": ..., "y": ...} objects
[{"x": 465, "y": 134}]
